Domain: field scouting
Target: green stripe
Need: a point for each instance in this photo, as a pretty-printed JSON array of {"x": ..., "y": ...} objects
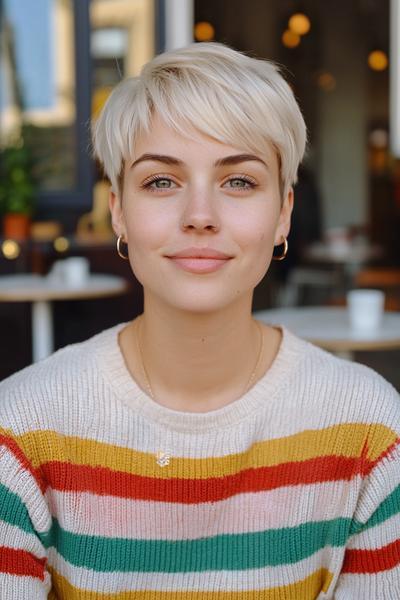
[
  {"x": 222, "y": 552},
  {"x": 13, "y": 511},
  {"x": 389, "y": 507}
]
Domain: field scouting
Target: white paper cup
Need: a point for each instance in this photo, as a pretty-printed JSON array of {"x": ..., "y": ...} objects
[
  {"x": 56, "y": 272},
  {"x": 365, "y": 309},
  {"x": 76, "y": 270}
]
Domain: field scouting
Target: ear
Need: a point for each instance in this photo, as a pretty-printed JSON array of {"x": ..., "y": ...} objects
[
  {"x": 283, "y": 227},
  {"x": 117, "y": 215}
]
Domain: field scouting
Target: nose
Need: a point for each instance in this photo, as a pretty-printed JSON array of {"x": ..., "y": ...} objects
[{"x": 200, "y": 211}]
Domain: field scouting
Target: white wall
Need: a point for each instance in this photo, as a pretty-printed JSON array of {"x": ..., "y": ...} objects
[{"x": 342, "y": 130}]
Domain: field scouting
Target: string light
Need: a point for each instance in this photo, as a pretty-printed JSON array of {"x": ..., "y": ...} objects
[
  {"x": 61, "y": 244},
  {"x": 204, "y": 31},
  {"x": 10, "y": 249},
  {"x": 326, "y": 81},
  {"x": 299, "y": 23},
  {"x": 378, "y": 60},
  {"x": 378, "y": 138},
  {"x": 290, "y": 39}
]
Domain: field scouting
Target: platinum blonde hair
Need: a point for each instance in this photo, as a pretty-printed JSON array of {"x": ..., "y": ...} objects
[{"x": 241, "y": 101}]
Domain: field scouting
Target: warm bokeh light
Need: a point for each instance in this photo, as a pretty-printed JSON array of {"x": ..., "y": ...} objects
[
  {"x": 45, "y": 231},
  {"x": 379, "y": 138},
  {"x": 378, "y": 157},
  {"x": 326, "y": 81},
  {"x": 10, "y": 249},
  {"x": 290, "y": 39},
  {"x": 204, "y": 31},
  {"x": 61, "y": 244},
  {"x": 299, "y": 23},
  {"x": 378, "y": 60}
]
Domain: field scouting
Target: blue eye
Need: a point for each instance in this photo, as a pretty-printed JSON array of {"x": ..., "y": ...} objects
[
  {"x": 159, "y": 183},
  {"x": 240, "y": 183}
]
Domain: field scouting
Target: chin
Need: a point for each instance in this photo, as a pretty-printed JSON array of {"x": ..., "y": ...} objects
[{"x": 200, "y": 301}]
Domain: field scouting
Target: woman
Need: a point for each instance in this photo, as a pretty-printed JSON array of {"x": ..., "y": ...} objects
[{"x": 195, "y": 452}]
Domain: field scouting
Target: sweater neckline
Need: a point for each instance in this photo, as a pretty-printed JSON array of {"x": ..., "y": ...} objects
[{"x": 264, "y": 391}]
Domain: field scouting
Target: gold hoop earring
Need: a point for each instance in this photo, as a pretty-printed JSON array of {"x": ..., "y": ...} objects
[
  {"x": 119, "y": 240},
  {"x": 285, "y": 251}
]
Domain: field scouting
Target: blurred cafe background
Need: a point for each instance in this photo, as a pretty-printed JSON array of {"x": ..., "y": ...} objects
[{"x": 59, "y": 60}]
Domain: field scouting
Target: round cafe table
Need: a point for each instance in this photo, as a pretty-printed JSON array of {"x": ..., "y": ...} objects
[
  {"x": 354, "y": 255},
  {"x": 41, "y": 291},
  {"x": 346, "y": 260},
  {"x": 329, "y": 328}
]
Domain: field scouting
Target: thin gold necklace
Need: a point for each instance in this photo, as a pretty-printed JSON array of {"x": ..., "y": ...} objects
[{"x": 248, "y": 384}]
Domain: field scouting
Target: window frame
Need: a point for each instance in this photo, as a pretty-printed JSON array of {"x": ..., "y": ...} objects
[{"x": 78, "y": 199}]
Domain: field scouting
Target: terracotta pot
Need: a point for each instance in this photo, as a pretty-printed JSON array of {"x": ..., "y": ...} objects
[{"x": 16, "y": 226}]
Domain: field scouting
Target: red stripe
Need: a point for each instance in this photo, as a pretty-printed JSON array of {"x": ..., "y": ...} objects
[
  {"x": 11, "y": 444},
  {"x": 372, "y": 561},
  {"x": 100, "y": 480},
  {"x": 19, "y": 562},
  {"x": 383, "y": 455}
]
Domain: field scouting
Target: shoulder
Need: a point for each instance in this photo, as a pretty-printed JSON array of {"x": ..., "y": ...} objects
[
  {"x": 43, "y": 393},
  {"x": 344, "y": 389}
]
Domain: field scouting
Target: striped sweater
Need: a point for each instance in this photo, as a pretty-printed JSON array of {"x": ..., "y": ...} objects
[{"x": 290, "y": 492}]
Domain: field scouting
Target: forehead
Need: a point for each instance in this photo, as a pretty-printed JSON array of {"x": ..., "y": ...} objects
[{"x": 162, "y": 138}]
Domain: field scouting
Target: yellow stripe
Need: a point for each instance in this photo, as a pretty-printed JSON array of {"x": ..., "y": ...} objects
[
  {"x": 346, "y": 440},
  {"x": 310, "y": 587}
]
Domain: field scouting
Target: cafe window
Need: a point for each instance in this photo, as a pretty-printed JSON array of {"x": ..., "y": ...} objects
[
  {"x": 59, "y": 60},
  {"x": 122, "y": 40},
  {"x": 39, "y": 97}
]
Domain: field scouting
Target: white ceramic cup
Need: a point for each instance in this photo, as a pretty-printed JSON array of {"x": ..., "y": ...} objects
[
  {"x": 56, "y": 272},
  {"x": 76, "y": 270},
  {"x": 365, "y": 309}
]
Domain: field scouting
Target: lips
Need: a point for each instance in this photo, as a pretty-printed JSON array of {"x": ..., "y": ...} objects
[
  {"x": 200, "y": 253},
  {"x": 200, "y": 260}
]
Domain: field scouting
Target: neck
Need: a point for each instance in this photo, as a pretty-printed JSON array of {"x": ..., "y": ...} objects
[{"x": 197, "y": 362}]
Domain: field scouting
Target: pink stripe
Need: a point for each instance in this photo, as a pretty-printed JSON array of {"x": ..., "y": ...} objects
[{"x": 141, "y": 519}]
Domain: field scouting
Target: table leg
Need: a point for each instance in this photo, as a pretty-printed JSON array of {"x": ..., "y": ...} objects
[{"x": 42, "y": 330}]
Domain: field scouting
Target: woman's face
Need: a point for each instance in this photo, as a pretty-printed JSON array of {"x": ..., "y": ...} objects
[{"x": 180, "y": 194}]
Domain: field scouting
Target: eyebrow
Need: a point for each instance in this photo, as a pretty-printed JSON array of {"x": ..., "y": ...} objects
[{"x": 221, "y": 162}]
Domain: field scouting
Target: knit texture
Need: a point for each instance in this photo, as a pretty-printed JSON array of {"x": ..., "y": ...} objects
[{"x": 290, "y": 492}]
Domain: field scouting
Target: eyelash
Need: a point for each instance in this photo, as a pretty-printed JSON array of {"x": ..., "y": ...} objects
[
  {"x": 250, "y": 182},
  {"x": 146, "y": 185}
]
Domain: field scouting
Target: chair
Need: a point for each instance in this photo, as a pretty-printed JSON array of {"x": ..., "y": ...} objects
[
  {"x": 383, "y": 278},
  {"x": 312, "y": 285}
]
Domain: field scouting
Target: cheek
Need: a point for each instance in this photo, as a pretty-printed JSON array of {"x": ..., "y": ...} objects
[
  {"x": 256, "y": 234},
  {"x": 257, "y": 237},
  {"x": 147, "y": 230},
  {"x": 145, "y": 235}
]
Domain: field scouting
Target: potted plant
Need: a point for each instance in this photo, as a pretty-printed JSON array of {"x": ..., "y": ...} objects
[{"x": 17, "y": 191}]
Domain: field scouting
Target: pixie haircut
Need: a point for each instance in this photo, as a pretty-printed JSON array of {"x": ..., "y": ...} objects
[{"x": 241, "y": 101}]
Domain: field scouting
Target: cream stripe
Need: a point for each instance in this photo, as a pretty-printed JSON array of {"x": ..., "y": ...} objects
[
  {"x": 384, "y": 585},
  {"x": 12, "y": 536},
  {"x": 204, "y": 581},
  {"x": 16, "y": 587},
  {"x": 377, "y": 536},
  {"x": 382, "y": 481},
  {"x": 282, "y": 507},
  {"x": 20, "y": 482}
]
